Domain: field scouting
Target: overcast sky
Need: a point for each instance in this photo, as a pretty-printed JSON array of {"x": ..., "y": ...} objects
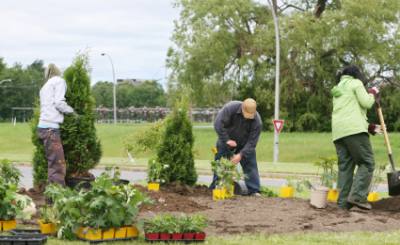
[{"x": 135, "y": 33}]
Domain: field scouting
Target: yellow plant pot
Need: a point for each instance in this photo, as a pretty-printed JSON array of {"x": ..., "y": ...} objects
[
  {"x": 229, "y": 192},
  {"x": 108, "y": 234},
  {"x": 286, "y": 192},
  {"x": 81, "y": 232},
  {"x": 47, "y": 228},
  {"x": 152, "y": 186},
  {"x": 8, "y": 225},
  {"x": 120, "y": 233},
  {"x": 219, "y": 194},
  {"x": 93, "y": 234},
  {"x": 373, "y": 196},
  {"x": 132, "y": 232},
  {"x": 333, "y": 195}
]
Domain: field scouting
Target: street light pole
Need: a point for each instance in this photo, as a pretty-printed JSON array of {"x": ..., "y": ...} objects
[{"x": 114, "y": 87}]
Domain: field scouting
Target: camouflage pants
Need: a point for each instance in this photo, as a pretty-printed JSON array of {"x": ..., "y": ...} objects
[{"x": 56, "y": 168}]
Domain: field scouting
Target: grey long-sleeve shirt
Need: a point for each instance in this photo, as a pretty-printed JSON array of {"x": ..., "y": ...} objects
[{"x": 231, "y": 125}]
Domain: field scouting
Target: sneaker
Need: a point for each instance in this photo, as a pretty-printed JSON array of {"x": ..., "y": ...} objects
[
  {"x": 361, "y": 205},
  {"x": 255, "y": 194}
]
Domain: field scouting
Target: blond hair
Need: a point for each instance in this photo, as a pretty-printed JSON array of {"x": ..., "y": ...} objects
[{"x": 51, "y": 71}]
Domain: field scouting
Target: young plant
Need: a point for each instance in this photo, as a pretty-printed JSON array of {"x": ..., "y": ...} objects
[
  {"x": 265, "y": 191},
  {"x": 12, "y": 204},
  {"x": 329, "y": 172},
  {"x": 226, "y": 172},
  {"x": 154, "y": 171},
  {"x": 199, "y": 223},
  {"x": 9, "y": 173},
  {"x": 48, "y": 214}
]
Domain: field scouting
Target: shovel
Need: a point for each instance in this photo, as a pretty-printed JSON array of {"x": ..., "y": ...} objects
[{"x": 394, "y": 176}]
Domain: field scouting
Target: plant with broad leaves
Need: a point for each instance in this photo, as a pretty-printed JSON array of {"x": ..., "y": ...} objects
[
  {"x": 9, "y": 172},
  {"x": 329, "y": 173},
  {"x": 226, "y": 172}
]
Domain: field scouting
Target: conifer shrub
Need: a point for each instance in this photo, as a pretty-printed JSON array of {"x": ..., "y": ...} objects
[{"x": 176, "y": 148}]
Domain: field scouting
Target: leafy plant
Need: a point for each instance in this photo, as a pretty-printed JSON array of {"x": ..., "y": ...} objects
[
  {"x": 226, "y": 172},
  {"x": 167, "y": 223},
  {"x": 104, "y": 206},
  {"x": 329, "y": 172},
  {"x": 154, "y": 171},
  {"x": 12, "y": 204},
  {"x": 265, "y": 191},
  {"x": 9, "y": 172},
  {"x": 199, "y": 222},
  {"x": 48, "y": 214}
]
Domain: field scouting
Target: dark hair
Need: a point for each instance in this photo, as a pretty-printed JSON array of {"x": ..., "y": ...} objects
[{"x": 351, "y": 70}]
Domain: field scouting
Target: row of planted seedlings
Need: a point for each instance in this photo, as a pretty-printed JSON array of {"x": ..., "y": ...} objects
[
  {"x": 167, "y": 227},
  {"x": 105, "y": 212}
]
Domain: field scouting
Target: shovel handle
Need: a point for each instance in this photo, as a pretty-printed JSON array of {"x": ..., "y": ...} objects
[{"x": 385, "y": 134}]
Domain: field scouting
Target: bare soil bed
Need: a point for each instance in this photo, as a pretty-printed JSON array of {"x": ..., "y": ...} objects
[
  {"x": 243, "y": 214},
  {"x": 272, "y": 215}
]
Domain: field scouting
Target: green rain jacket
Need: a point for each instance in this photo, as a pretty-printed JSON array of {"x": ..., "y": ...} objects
[{"x": 350, "y": 104}]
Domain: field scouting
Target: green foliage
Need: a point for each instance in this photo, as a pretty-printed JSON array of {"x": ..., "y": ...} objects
[
  {"x": 146, "y": 141},
  {"x": 39, "y": 160},
  {"x": 148, "y": 93},
  {"x": 329, "y": 172},
  {"x": 11, "y": 203},
  {"x": 154, "y": 171},
  {"x": 9, "y": 173},
  {"x": 265, "y": 191},
  {"x": 48, "y": 214},
  {"x": 226, "y": 171},
  {"x": 104, "y": 206},
  {"x": 228, "y": 46},
  {"x": 81, "y": 146},
  {"x": 378, "y": 176},
  {"x": 168, "y": 223},
  {"x": 176, "y": 148}
]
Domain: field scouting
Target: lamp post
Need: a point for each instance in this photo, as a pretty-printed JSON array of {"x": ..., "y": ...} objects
[{"x": 114, "y": 87}]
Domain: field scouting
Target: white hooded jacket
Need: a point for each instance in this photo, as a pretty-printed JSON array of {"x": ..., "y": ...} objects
[{"x": 52, "y": 102}]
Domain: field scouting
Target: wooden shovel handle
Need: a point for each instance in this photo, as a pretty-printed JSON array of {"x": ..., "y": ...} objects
[{"x": 383, "y": 126}]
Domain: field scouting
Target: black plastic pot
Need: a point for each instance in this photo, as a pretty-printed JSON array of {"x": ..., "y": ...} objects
[
  {"x": 33, "y": 239},
  {"x": 121, "y": 182},
  {"x": 79, "y": 182},
  {"x": 25, "y": 231}
]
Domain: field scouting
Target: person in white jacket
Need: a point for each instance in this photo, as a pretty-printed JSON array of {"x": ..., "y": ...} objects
[{"x": 52, "y": 110}]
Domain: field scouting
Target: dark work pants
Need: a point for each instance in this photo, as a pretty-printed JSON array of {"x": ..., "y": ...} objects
[
  {"x": 354, "y": 150},
  {"x": 56, "y": 168},
  {"x": 250, "y": 170}
]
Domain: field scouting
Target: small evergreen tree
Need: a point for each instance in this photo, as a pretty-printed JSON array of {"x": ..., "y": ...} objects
[
  {"x": 39, "y": 157},
  {"x": 82, "y": 148},
  {"x": 175, "y": 152}
]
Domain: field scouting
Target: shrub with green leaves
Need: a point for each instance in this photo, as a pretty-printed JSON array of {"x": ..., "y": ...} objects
[
  {"x": 105, "y": 205},
  {"x": 9, "y": 173},
  {"x": 81, "y": 146},
  {"x": 176, "y": 147}
]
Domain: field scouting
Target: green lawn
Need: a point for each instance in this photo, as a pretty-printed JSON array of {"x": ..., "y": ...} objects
[
  {"x": 351, "y": 238},
  {"x": 297, "y": 150}
]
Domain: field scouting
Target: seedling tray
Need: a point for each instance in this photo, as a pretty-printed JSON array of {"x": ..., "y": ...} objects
[
  {"x": 108, "y": 240},
  {"x": 33, "y": 239},
  {"x": 176, "y": 241},
  {"x": 25, "y": 231}
]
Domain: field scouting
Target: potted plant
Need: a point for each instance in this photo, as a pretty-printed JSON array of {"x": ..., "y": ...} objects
[
  {"x": 287, "y": 191},
  {"x": 154, "y": 169},
  {"x": 328, "y": 176},
  {"x": 12, "y": 204},
  {"x": 48, "y": 220},
  {"x": 152, "y": 228},
  {"x": 227, "y": 174},
  {"x": 199, "y": 223},
  {"x": 177, "y": 227}
]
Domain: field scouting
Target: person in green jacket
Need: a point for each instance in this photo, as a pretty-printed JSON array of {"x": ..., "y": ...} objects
[{"x": 350, "y": 136}]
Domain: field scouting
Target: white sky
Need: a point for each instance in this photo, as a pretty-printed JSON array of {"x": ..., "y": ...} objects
[{"x": 135, "y": 33}]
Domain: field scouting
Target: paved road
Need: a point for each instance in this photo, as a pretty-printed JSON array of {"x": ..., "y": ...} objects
[{"x": 137, "y": 176}]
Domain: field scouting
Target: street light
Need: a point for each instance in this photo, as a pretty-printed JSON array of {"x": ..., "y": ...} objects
[{"x": 114, "y": 87}]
